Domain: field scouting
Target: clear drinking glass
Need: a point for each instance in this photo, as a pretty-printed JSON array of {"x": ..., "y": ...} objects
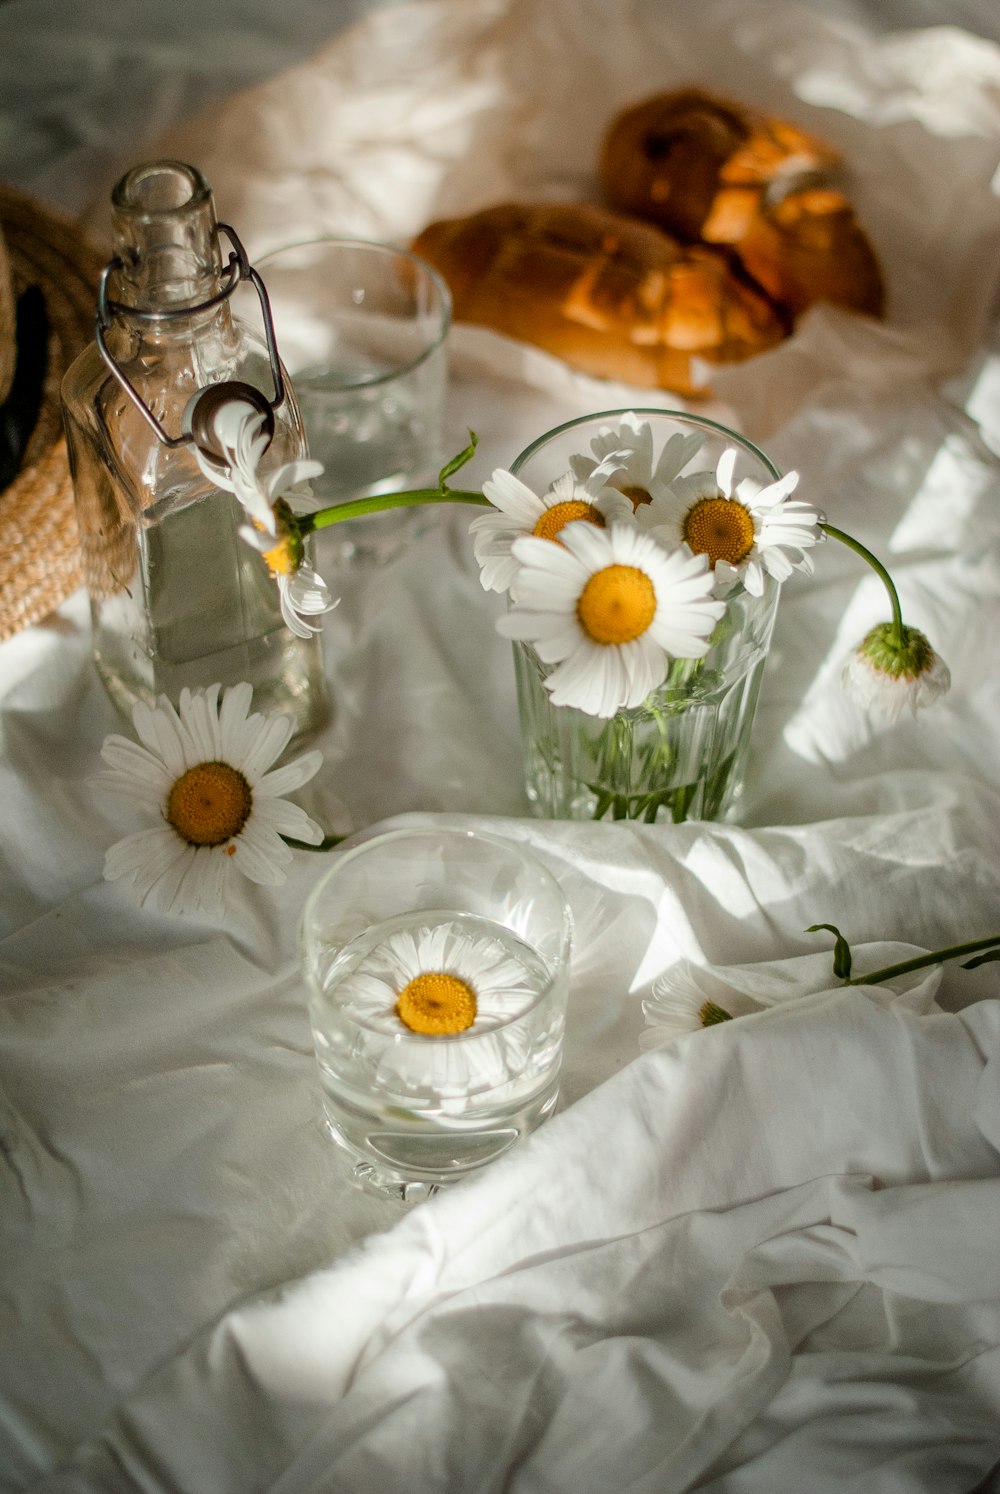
[
  {"x": 362, "y": 329},
  {"x": 413, "y": 916},
  {"x": 683, "y": 753}
]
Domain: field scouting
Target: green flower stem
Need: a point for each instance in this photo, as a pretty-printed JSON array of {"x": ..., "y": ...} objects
[
  {"x": 326, "y": 844},
  {"x": 880, "y": 571},
  {"x": 921, "y": 961},
  {"x": 358, "y": 507}
]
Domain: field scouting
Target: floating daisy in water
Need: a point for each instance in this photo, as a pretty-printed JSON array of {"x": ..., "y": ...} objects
[
  {"x": 517, "y": 512},
  {"x": 447, "y": 999},
  {"x": 610, "y": 608},
  {"x": 623, "y": 462},
  {"x": 895, "y": 666},
  {"x": 746, "y": 533},
  {"x": 268, "y": 503},
  {"x": 203, "y": 772}
]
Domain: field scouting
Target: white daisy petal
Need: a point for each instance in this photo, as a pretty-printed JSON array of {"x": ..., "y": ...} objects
[
  {"x": 291, "y": 475},
  {"x": 288, "y": 819},
  {"x": 132, "y": 765},
  {"x": 588, "y": 544},
  {"x": 199, "y": 715},
  {"x": 498, "y": 572},
  {"x": 289, "y": 776},
  {"x": 593, "y": 680},
  {"x": 678, "y": 450},
  {"x": 203, "y": 888},
  {"x": 545, "y": 557},
  {"x": 271, "y": 741},
  {"x": 616, "y": 508},
  {"x": 237, "y": 727},
  {"x": 724, "y": 471},
  {"x": 770, "y": 496},
  {"x": 144, "y": 853},
  {"x": 185, "y": 886},
  {"x": 159, "y": 730},
  {"x": 646, "y": 669},
  {"x": 513, "y": 497}
]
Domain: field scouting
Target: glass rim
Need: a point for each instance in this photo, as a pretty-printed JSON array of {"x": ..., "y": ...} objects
[
  {"x": 383, "y": 247},
  {"x": 556, "y": 967},
  {"x": 644, "y": 410}
]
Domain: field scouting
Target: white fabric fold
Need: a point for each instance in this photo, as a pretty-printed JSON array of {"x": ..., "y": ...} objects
[{"x": 679, "y": 1283}]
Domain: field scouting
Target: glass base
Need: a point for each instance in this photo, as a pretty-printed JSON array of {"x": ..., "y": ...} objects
[{"x": 410, "y": 1167}]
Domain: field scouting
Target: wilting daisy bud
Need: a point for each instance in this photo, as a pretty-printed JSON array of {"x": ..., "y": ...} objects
[{"x": 895, "y": 667}]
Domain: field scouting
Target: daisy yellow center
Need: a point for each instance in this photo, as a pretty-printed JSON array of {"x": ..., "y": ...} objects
[
  {"x": 617, "y": 604},
  {"x": 637, "y": 496},
  {"x": 209, "y": 804},
  {"x": 436, "y": 1004},
  {"x": 280, "y": 561},
  {"x": 720, "y": 528},
  {"x": 559, "y": 515}
]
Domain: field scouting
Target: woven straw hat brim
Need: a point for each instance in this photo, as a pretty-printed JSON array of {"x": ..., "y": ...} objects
[{"x": 39, "y": 546}]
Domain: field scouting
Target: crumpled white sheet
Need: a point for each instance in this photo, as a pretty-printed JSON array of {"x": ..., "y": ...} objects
[
  {"x": 756, "y": 1259},
  {"x": 759, "y": 1259}
]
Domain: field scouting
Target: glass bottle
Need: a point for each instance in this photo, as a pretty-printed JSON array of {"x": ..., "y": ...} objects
[{"x": 177, "y": 598}]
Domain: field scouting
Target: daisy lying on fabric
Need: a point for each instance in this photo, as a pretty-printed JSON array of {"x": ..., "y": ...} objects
[
  {"x": 203, "y": 772},
  {"x": 689, "y": 997}
]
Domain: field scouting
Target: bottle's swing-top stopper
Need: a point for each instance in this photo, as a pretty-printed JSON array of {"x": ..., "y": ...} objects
[{"x": 198, "y": 424}]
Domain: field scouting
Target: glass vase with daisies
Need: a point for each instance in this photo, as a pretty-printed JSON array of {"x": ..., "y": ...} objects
[{"x": 640, "y": 642}]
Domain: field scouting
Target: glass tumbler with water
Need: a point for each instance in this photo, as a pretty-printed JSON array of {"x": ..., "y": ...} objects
[
  {"x": 438, "y": 969},
  {"x": 362, "y": 327}
]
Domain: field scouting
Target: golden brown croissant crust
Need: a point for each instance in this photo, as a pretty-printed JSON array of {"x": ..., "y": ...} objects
[
  {"x": 613, "y": 296},
  {"x": 700, "y": 164},
  {"x": 711, "y": 169}
]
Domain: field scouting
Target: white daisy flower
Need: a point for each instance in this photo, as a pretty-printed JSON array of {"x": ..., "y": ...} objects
[
  {"x": 302, "y": 592},
  {"x": 610, "y": 608},
  {"x": 240, "y": 430},
  {"x": 687, "y": 998},
  {"x": 890, "y": 672},
  {"x": 519, "y": 512},
  {"x": 623, "y": 462},
  {"x": 446, "y": 1001},
  {"x": 203, "y": 773},
  {"x": 746, "y": 533}
]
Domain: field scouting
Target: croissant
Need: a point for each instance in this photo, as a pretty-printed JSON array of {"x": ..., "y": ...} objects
[
  {"x": 713, "y": 170},
  {"x": 614, "y": 297},
  {"x": 809, "y": 247},
  {"x": 700, "y": 165}
]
